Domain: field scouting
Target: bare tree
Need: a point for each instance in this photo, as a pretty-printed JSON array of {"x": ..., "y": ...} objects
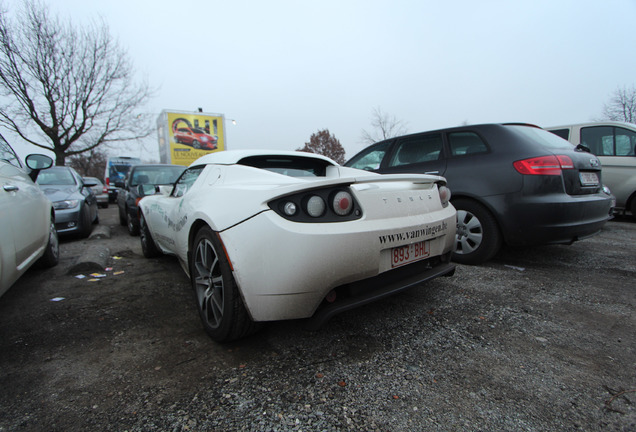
[
  {"x": 622, "y": 105},
  {"x": 323, "y": 143},
  {"x": 384, "y": 126},
  {"x": 89, "y": 164},
  {"x": 66, "y": 89}
]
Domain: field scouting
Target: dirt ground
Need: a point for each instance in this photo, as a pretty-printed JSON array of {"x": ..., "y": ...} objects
[{"x": 539, "y": 339}]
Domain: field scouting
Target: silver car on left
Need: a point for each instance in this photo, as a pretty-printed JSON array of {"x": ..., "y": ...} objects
[
  {"x": 27, "y": 231},
  {"x": 73, "y": 199}
]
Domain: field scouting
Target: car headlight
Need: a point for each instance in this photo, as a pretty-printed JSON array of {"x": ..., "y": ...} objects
[
  {"x": 204, "y": 139},
  {"x": 65, "y": 205}
]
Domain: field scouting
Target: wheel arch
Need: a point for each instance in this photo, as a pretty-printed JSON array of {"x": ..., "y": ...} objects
[
  {"x": 488, "y": 206},
  {"x": 194, "y": 229},
  {"x": 630, "y": 204}
]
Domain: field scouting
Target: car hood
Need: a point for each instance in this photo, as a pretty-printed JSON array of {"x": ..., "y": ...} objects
[{"x": 60, "y": 193}]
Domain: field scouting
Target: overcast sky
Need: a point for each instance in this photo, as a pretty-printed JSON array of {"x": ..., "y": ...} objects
[{"x": 286, "y": 69}]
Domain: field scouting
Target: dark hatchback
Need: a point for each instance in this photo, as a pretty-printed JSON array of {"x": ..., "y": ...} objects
[
  {"x": 511, "y": 183},
  {"x": 128, "y": 196}
]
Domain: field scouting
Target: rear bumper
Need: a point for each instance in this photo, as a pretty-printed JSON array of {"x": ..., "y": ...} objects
[
  {"x": 285, "y": 269},
  {"x": 551, "y": 219},
  {"x": 359, "y": 293}
]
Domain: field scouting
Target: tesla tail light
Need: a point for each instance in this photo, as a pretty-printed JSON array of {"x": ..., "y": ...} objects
[
  {"x": 544, "y": 165},
  {"x": 444, "y": 195},
  {"x": 318, "y": 205},
  {"x": 289, "y": 208},
  {"x": 342, "y": 203},
  {"x": 315, "y": 206}
]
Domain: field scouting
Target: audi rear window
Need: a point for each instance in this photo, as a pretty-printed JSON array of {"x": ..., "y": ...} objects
[{"x": 542, "y": 137}]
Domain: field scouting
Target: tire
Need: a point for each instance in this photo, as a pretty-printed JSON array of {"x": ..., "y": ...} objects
[
  {"x": 478, "y": 238},
  {"x": 196, "y": 144},
  {"x": 219, "y": 302},
  {"x": 52, "y": 252},
  {"x": 122, "y": 217},
  {"x": 632, "y": 207},
  {"x": 148, "y": 246},
  {"x": 132, "y": 225},
  {"x": 86, "y": 223}
]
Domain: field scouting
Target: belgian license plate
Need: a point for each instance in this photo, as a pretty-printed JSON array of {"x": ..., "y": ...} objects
[
  {"x": 588, "y": 178},
  {"x": 410, "y": 253}
]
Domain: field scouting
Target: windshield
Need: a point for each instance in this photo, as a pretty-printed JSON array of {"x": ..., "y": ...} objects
[
  {"x": 157, "y": 175},
  {"x": 7, "y": 154},
  {"x": 56, "y": 176}
]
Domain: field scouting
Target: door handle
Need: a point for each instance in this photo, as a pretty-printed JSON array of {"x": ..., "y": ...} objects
[{"x": 10, "y": 188}]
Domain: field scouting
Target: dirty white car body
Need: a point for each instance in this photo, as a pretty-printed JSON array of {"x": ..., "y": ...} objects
[{"x": 241, "y": 224}]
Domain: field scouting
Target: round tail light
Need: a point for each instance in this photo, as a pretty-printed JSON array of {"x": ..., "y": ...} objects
[
  {"x": 342, "y": 203},
  {"x": 444, "y": 195},
  {"x": 315, "y": 206}
]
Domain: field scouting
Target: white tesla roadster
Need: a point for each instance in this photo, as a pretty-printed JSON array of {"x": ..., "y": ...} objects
[{"x": 271, "y": 235}]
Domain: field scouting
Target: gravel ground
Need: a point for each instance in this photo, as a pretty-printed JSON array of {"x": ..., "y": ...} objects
[{"x": 539, "y": 339}]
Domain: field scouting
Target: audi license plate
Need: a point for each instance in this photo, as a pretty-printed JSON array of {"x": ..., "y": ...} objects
[
  {"x": 410, "y": 253},
  {"x": 588, "y": 178}
]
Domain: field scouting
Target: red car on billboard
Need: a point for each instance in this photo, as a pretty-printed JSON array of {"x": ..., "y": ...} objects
[{"x": 195, "y": 137}]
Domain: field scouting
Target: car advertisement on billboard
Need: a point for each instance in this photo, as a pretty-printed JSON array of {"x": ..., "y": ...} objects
[{"x": 186, "y": 136}]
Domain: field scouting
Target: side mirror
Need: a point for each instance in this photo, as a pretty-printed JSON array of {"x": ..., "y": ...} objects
[
  {"x": 166, "y": 189},
  {"x": 120, "y": 184},
  {"x": 36, "y": 163},
  {"x": 89, "y": 184},
  {"x": 146, "y": 189}
]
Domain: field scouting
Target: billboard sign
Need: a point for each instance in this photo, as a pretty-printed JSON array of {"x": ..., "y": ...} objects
[{"x": 186, "y": 136}]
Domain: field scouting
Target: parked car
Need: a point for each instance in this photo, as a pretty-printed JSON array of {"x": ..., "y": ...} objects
[
  {"x": 512, "y": 183},
  {"x": 27, "y": 231},
  {"x": 195, "y": 137},
  {"x": 100, "y": 190},
  {"x": 128, "y": 196},
  {"x": 284, "y": 235},
  {"x": 614, "y": 144},
  {"x": 74, "y": 202},
  {"x": 116, "y": 170}
]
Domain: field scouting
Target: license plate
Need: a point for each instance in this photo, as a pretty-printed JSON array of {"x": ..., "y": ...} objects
[
  {"x": 410, "y": 253},
  {"x": 588, "y": 178}
]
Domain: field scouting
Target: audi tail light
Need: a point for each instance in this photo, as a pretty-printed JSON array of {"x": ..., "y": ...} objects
[{"x": 544, "y": 165}]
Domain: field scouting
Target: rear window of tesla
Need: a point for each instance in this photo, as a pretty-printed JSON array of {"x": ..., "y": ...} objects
[{"x": 290, "y": 166}]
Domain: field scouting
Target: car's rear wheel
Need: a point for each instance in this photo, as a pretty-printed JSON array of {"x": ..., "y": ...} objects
[
  {"x": 478, "y": 238},
  {"x": 132, "y": 224},
  {"x": 218, "y": 299},
  {"x": 148, "y": 246},
  {"x": 52, "y": 253}
]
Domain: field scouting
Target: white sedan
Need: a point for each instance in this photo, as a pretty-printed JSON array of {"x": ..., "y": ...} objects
[
  {"x": 27, "y": 231},
  {"x": 271, "y": 235}
]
